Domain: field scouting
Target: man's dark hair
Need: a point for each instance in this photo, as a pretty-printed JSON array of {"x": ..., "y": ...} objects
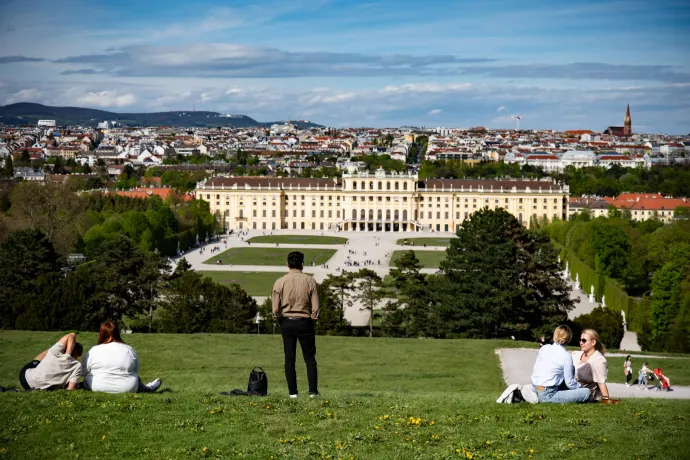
[
  {"x": 295, "y": 260},
  {"x": 77, "y": 350}
]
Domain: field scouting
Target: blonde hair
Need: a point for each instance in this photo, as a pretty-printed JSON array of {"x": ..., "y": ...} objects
[
  {"x": 562, "y": 335},
  {"x": 595, "y": 335}
]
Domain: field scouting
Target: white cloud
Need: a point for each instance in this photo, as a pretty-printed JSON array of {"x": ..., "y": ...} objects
[
  {"x": 24, "y": 95},
  {"x": 107, "y": 99},
  {"x": 501, "y": 108},
  {"x": 435, "y": 111}
]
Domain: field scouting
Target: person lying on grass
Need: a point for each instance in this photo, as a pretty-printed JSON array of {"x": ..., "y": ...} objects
[
  {"x": 57, "y": 367},
  {"x": 113, "y": 366},
  {"x": 553, "y": 375}
]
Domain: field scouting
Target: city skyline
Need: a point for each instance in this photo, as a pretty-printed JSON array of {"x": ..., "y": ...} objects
[{"x": 342, "y": 64}]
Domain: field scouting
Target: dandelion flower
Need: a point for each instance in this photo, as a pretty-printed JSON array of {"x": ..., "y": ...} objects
[{"x": 103, "y": 438}]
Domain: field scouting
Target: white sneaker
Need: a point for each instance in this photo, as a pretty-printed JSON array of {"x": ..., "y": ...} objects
[
  {"x": 627, "y": 384},
  {"x": 294, "y": 396},
  {"x": 314, "y": 395},
  {"x": 153, "y": 386},
  {"x": 507, "y": 396}
]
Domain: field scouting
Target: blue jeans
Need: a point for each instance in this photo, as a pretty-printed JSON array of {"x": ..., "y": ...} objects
[
  {"x": 642, "y": 380},
  {"x": 562, "y": 395}
]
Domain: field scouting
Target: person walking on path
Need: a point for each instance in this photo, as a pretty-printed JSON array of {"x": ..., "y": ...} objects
[
  {"x": 295, "y": 306},
  {"x": 627, "y": 366}
]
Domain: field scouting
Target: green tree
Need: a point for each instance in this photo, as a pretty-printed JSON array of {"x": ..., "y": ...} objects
[
  {"x": 499, "y": 279},
  {"x": 409, "y": 315},
  {"x": 8, "y": 170},
  {"x": 608, "y": 323},
  {"x": 667, "y": 292},
  {"x": 28, "y": 261},
  {"x": 611, "y": 249},
  {"x": 334, "y": 297},
  {"x": 369, "y": 292}
]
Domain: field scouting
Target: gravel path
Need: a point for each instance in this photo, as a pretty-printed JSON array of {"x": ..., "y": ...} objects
[{"x": 517, "y": 364}]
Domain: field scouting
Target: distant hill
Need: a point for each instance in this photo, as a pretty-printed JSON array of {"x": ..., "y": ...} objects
[{"x": 29, "y": 113}]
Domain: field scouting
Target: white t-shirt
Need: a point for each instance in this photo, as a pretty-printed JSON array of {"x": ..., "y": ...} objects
[
  {"x": 55, "y": 371},
  {"x": 111, "y": 368}
]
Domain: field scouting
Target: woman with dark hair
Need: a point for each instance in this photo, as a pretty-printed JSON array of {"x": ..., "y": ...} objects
[{"x": 113, "y": 366}]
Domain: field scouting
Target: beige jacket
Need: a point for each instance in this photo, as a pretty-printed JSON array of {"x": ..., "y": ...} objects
[{"x": 295, "y": 295}]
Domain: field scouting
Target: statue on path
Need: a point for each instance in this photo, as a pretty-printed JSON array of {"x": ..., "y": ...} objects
[
  {"x": 591, "y": 295},
  {"x": 603, "y": 301}
]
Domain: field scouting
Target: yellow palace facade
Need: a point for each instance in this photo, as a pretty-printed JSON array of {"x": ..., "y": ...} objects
[{"x": 380, "y": 202}]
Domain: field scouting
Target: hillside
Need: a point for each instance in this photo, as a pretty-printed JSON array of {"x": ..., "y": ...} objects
[
  {"x": 29, "y": 113},
  {"x": 382, "y": 399}
]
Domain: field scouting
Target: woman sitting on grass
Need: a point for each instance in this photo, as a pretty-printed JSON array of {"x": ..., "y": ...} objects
[
  {"x": 591, "y": 368},
  {"x": 553, "y": 374},
  {"x": 113, "y": 366}
]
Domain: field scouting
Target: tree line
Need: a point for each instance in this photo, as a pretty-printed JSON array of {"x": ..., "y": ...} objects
[
  {"x": 83, "y": 223},
  {"x": 647, "y": 259}
]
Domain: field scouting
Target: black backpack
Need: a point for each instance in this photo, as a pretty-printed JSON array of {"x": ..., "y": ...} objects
[{"x": 258, "y": 382}]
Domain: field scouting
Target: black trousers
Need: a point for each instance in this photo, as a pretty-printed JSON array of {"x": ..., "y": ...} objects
[
  {"x": 302, "y": 330},
  {"x": 22, "y": 373}
]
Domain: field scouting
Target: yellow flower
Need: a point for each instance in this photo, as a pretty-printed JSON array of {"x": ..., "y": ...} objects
[
  {"x": 213, "y": 412},
  {"x": 531, "y": 451},
  {"x": 103, "y": 438},
  {"x": 386, "y": 417},
  {"x": 468, "y": 454},
  {"x": 205, "y": 449}
]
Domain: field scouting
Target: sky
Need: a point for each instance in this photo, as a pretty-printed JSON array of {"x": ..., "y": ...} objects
[{"x": 348, "y": 63}]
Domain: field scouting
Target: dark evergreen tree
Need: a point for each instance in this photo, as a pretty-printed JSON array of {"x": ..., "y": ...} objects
[
  {"x": 332, "y": 295},
  {"x": 498, "y": 279},
  {"x": 410, "y": 315},
  {"x": 28, "y": 266}
]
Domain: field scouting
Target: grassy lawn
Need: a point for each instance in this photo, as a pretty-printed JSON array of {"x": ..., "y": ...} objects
[
  {"x": 299, "y": 239},
  {"x": 255, "y": 283},
  {"x": 428, "y": 241},
  {"x": 270, "y": 256},
  {"x": 428, "y": 259},
  {"x": 382, "y": 399}
]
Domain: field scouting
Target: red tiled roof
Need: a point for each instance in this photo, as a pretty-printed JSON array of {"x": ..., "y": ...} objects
[{"x": 149, "y": 191}]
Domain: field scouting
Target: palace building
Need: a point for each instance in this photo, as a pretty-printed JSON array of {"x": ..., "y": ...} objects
[{"x": 387, "y": 202}]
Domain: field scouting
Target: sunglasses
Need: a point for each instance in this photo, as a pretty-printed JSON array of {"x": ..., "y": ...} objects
[{"x": 583, "y": 340}]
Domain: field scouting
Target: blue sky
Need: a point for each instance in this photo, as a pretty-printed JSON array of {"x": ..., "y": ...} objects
[{"x": 560, "y": 65}]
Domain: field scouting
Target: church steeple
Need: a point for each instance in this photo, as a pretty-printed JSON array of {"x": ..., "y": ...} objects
[{"x": 627, "y": 126}]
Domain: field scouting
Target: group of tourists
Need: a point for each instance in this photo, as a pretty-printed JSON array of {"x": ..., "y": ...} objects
[
  {"x": 111, "y": 366},
  {"x": 644, "y": 376}
]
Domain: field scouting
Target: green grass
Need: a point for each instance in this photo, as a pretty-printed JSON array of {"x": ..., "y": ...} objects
[
  {"x": 270, "y": 256},
  {"x": 429, "y": 241},
  {"x": 371, "y": 388},
  {"x": 298, "y": 239},
  {"x": 255, "y": 283},
  {"x": 428, "y": 259}
]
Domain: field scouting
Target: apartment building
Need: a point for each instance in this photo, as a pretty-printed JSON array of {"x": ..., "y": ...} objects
[{"x": 387, "y": 202}]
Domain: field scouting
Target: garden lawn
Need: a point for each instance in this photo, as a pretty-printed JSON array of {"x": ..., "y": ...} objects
[
  {"x": 298, "y": 239},
  {"x": 445, "y": 242},
  {"x": 270, "y": 256},
  {"x": 255, "y": 283},
  {"x": 427, "y": 259},
  {"x": 381, "y": 399}
]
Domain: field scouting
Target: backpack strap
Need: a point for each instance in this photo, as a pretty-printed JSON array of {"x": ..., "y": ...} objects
[{"x": 259, "y": 369}]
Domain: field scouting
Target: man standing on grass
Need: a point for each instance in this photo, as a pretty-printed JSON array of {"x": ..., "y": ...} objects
[{"x": 296, "y": 306}]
